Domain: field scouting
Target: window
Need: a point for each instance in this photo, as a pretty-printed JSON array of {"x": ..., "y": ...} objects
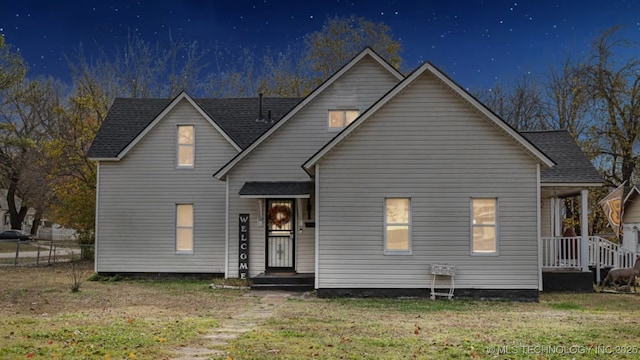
[
  {"x": 339, "y": 119},
  {"x": 184, "y": 228},
  {"x": 397, "y": 226},
  {"x": 483, "y": 226},
  {"x": 186, "y": 149}
]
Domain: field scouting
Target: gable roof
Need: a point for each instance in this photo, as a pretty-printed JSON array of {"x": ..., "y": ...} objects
[
  {"x": 633, "y": 192},
  {"x": 236, "y": 118},
  {"x": 464, "y": 95},
  {"x": 572, "y": 166},
  {"x": 367, "y": 52}
]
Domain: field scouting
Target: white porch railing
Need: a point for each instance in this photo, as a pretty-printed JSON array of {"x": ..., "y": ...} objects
[
  {"x": 564, "y": 253},
  {"x": 561, "y": 253},
  {"x": 604, "y": 253}
]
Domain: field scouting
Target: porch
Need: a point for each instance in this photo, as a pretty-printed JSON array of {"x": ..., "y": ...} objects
[{"x": 567, "y": 255}]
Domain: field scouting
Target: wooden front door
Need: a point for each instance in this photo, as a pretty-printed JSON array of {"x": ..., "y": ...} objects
[{"x": 281, "y": 233}]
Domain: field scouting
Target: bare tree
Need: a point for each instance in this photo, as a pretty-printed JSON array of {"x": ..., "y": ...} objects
[
  {"x": 521, "y": 105},
  {"x": 617, "y": 111},
  {"x": 570, "y": 100},
  {"x": 27, "y": 113}
]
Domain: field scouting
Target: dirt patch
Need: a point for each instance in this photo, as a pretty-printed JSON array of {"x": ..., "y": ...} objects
[{"x": 239, "y": 324}]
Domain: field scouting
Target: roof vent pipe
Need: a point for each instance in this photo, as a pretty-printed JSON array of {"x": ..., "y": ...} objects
[{"x": 269, "y": 116}]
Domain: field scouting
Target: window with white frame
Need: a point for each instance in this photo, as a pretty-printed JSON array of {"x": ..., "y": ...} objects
[
  {"x": 184, "y": 228},
  {"x": 339, "y": 119},
  {"x": 484, "y": 235},
  {"x": 186, "y": 148},
  {"x": 397, "y": 226}
]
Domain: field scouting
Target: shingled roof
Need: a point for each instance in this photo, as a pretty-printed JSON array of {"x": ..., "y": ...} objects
[
  {"x": 572, "y": 166},
  {"x": 237, "y": 117}
]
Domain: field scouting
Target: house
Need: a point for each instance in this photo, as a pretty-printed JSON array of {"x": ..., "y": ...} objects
[
  {"x": 361, "y": 186},
  {"x": 631, "y": 221},
  {"x": 46, "y": 231}
]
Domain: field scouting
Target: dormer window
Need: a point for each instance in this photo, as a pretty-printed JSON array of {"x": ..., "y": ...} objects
[
  {"x": 339, "y": 119},
  {"x": 186, "y": 148}
]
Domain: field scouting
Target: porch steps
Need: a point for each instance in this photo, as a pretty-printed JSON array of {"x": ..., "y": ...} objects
[{"x": 283, "y": 281}]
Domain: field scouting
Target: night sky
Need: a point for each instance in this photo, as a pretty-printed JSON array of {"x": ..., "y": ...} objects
[{"x": 477, "y": 43}]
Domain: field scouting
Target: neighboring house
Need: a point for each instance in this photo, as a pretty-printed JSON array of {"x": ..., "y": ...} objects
[
  {"x": 631, "y": 221},
  {"x": 361, "y": 185},
  {"x": 6, "y": 218},
  {"x": 47, "y": 229}
]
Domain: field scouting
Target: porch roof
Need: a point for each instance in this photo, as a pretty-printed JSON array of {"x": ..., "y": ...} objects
[
  {"x": 276, "y": 189},
  {"x": 572, "y": 166}
]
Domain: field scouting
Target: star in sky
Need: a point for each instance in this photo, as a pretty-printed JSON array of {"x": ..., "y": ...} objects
[{"x": 476, "y": 42}]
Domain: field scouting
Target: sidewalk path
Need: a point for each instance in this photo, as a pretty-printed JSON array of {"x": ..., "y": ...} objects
[{"x": 238, "y": 325}]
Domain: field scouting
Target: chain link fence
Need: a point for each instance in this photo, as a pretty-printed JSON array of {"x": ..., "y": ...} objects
[{"x": 16, "y": 253}]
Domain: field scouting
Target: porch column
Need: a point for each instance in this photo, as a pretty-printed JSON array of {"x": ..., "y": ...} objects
[
  {"x": 558, "y": 226},
  {"x": 584, "y": 225}
]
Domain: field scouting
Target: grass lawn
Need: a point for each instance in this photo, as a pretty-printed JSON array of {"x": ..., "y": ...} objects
[
  {"x": 560, "y": 326},
  {"x": 41, "y": 318}
]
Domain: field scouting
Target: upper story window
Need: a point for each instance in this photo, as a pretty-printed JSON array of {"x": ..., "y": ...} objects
[
  {"x": 339, "y": 119},
  {"x": 484, "y": 235},
  {"x": 186, "y": 148}
]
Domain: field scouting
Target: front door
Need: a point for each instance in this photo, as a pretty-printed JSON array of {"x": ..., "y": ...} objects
[{"x": 280, "y": 222}]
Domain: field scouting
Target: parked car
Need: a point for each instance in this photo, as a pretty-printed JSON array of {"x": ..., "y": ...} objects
[{"x": 16, "y": 235}]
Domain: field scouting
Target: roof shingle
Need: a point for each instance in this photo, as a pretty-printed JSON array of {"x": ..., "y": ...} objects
[
  {"x": 237, "y": 117},
  {"x": 572, "y": 166}
]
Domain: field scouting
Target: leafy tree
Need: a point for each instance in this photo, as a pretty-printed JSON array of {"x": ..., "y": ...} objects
[
  {"x": 340, "y": 39},
  {"x": 72, "y": 176},
  {"x": 12, "y": 67},
  {"x": 286, "y": 73}
]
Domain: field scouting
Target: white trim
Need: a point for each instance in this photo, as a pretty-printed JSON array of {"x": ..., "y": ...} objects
[
  {"x": 344, "y": 119},
  {"x": 192, "y": 227},
  {"x": 103, "y": 159},
  {"x": 95, "y": 230},
  {"x": 317, "y": 228},
  {"x": 409, "y": 224},
  {"x": 631, "y": 191},
  {"x": 584, "y": 229},
  {"x": 557, "y": 216},
  {"x": 301, "y": 196},
  {"x": 261, "y": 208},
  {"x": 539, "y": 225},
  {"x": 226, "y": 230},
  {"x": 496, "y": 222},
  {"x": 429, "y": 68},
  {"x": 571, "y": 184},
  {"x": 174, "y": 102},
  {"x": 192, "y": 145},
  {"x": 220, "y": 174}
]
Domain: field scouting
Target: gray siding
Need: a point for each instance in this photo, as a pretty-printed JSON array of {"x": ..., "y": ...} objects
[
  {"x": 137, "y": 198},
  {"x": 428, "y": 145},
  {"x": 280, "y": 158},
  {"x": 632, "y": 210}
]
